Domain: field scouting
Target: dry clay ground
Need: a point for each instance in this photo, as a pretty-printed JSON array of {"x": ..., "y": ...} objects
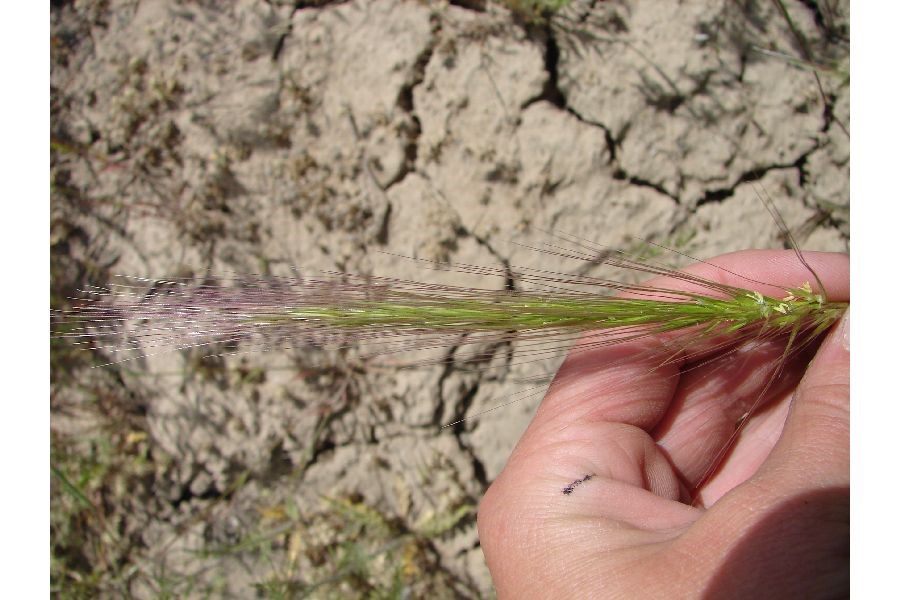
[{"x": 193, "y": 138}]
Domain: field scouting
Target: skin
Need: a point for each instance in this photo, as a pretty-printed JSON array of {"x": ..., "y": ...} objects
[{"x": 607, "y": 495}]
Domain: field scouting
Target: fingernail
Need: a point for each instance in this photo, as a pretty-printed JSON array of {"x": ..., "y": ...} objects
[{"x": 845, "y": 330}]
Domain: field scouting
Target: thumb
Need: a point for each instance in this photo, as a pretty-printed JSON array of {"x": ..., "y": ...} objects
[
  {"x": 785, "y": 532},
  {"x": 814, "y": 449}
]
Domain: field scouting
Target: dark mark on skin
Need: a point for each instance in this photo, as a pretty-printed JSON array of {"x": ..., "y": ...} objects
[{"x": 571, "y": 487}]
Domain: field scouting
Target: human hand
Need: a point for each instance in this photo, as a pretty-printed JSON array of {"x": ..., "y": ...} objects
[{"x": 595, "y": 500}]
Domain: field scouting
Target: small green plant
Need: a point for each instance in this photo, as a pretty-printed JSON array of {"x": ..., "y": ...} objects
[
  {"x": 92, "y": 481},
  {"x": 347, "y": 548}
]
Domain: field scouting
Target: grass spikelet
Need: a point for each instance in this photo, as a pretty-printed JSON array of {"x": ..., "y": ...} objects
[{"x": 258, "y": 312}]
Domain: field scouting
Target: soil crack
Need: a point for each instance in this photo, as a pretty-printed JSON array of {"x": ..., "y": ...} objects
[
  {"x": 554, "y": 95},
  {"x": 406, "y": 103},
  {"x": 722, "y": 194}
]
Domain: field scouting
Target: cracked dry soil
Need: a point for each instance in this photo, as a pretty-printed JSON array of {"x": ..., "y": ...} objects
[{"x": 198, "y": 138}]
